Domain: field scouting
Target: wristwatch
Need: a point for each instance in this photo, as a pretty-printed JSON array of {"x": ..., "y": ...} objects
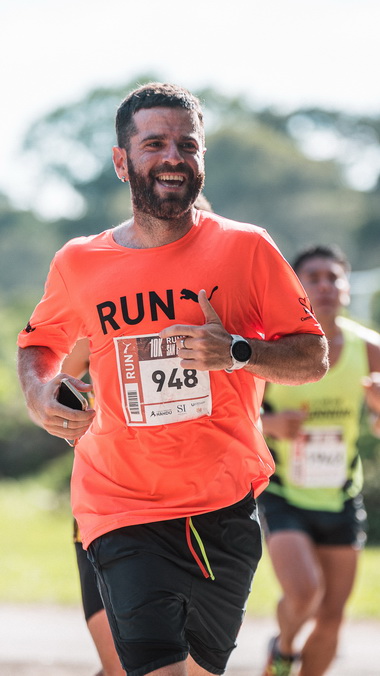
[{"x": 240, "y": 352}]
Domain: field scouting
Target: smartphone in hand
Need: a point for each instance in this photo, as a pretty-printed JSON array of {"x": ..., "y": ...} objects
[{"x": 69, "y": 396}]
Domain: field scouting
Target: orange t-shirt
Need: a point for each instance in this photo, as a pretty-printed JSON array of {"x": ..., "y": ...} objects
[{"x": 165, "y": 442}]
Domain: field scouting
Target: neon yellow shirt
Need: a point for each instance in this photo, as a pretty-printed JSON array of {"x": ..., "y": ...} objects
[{"x": 321, "y": 468}]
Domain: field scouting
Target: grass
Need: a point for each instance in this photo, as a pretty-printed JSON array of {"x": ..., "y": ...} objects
[{"x": 37, "y": 558}]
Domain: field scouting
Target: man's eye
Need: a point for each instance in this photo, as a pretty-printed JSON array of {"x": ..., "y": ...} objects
[{"x": 154, "y": 144}]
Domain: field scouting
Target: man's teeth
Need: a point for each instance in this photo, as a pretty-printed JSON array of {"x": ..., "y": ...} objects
[{"x": 171, "y": 177}]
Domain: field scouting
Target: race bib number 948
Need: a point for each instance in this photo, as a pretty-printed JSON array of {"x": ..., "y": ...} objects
[{"x": 155, "y": 390}]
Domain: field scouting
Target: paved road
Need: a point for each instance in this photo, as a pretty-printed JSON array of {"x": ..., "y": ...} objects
[{"x": 53, "y": 641}]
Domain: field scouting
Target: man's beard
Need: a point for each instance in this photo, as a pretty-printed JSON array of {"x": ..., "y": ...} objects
[{"x": 145, "y": 198}]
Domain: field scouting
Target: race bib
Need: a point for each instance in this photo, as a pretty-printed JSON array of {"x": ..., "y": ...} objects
[
  {"x": 155, "y": 390},
  {"x": 318, "y": 458}
]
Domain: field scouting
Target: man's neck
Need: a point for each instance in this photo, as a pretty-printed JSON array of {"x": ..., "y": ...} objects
[
  {"x": 331, "y": 328},
  {"x": 335, "y": 339},
  {"x": 143, "y": 231}
]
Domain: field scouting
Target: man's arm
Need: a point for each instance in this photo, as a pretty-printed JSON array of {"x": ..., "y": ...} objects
[
  {"x": 291, "y": 360},
  {"x": 40, "y": 378},
  {"x": 282, "y": 424},
  {"x": 78, "y": 361},
  {"x": 371, "y": 384}
]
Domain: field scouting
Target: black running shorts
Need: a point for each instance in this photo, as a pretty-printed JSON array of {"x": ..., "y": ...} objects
[
  {"x": 347, "y": 528},
  {"x": 91, "y": 599},
  {"x": 160, "y": 604}
]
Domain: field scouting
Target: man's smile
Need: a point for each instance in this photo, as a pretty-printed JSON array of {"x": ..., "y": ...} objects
[{"x": 170, "y": 180}]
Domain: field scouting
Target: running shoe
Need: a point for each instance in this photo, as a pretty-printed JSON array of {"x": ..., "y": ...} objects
[{"x": 278, "y": 664}]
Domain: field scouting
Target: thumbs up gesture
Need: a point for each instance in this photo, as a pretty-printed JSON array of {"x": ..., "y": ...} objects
[{"x": 205, "y": 347}]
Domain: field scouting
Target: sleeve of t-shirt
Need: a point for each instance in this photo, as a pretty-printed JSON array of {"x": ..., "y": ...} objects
[
  {"x": 282, "y": 301},
  {"x": 53, "y": 323}
]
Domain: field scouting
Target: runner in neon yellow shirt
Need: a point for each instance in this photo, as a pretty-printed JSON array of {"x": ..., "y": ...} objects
[{"x": 312, "y": 510}]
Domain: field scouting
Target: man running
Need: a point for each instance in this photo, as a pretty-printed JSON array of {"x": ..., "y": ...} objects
[
  {"x": 168, "y": 465},
  {"x": 313, "y": 511}
]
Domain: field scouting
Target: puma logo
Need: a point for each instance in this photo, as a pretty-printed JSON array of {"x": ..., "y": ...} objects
[{"x": 187, "y": 294}]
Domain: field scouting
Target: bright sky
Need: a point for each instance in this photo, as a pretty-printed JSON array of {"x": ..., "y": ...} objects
[{"x": 284, "y": 53}]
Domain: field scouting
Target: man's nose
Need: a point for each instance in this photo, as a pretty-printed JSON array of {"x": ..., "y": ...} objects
[
  {"x": 324, "y": 284},
  {"x": 172, "y": 154}
]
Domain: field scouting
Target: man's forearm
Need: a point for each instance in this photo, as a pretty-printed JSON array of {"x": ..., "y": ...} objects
[
  {"x": 291, "y": 360},
  {"x": 36, "y": 365}
]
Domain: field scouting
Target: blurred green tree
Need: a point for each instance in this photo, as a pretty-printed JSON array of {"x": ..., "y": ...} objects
[{"x": 257, "y": 170}]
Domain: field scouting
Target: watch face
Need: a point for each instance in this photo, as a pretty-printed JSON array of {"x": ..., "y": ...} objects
[{"x": 241, "y": 350}]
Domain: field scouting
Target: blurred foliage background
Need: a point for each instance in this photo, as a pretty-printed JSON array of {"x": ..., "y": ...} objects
[{"x": 296, "y": 174}]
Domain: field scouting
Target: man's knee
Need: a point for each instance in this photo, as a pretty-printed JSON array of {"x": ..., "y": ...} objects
[{"x": 307, "y": 597}]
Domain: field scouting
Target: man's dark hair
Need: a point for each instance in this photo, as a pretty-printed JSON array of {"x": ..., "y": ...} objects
[
  {"x": 152, "y": 95},
  {"x": 332, "y": 251}
]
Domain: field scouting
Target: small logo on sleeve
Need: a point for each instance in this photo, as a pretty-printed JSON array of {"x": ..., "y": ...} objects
[{"x": 308, "y": 310}]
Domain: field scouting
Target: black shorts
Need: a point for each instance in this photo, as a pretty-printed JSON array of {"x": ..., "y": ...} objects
[
  {"x": 91, "y": 599},
  {"x": 347, "y": 527},
  {"x": 160, "y": 605}
]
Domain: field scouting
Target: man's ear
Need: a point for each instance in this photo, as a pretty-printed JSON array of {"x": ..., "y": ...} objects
[
  {"x": 344, "y": 293},
  {"x": 119, "y": 157},
  {"x": 345, "y": 297}
]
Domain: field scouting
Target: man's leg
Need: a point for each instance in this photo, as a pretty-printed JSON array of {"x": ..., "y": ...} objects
[
  {"x": 100, "y": 631},
  {"x": 187, "y": 668},
  {"x": 339, "y": 565},
  {"x": 96, "y": 617},
  {"x": 299, "y": 572}
]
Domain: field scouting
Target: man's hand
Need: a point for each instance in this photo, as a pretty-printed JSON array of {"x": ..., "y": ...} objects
[
  {"x": 38, "y": 369},
  {"x": 55, "y": 418},
  {"x": 283, "y": 424},
  {"x": 371, "y": 384},
  {"x": 206, "y": 347}
]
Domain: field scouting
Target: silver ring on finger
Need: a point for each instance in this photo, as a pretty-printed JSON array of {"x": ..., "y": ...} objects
[
  {"x": 65, "y": 424},
  {"x": 183, "y": 343}
]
